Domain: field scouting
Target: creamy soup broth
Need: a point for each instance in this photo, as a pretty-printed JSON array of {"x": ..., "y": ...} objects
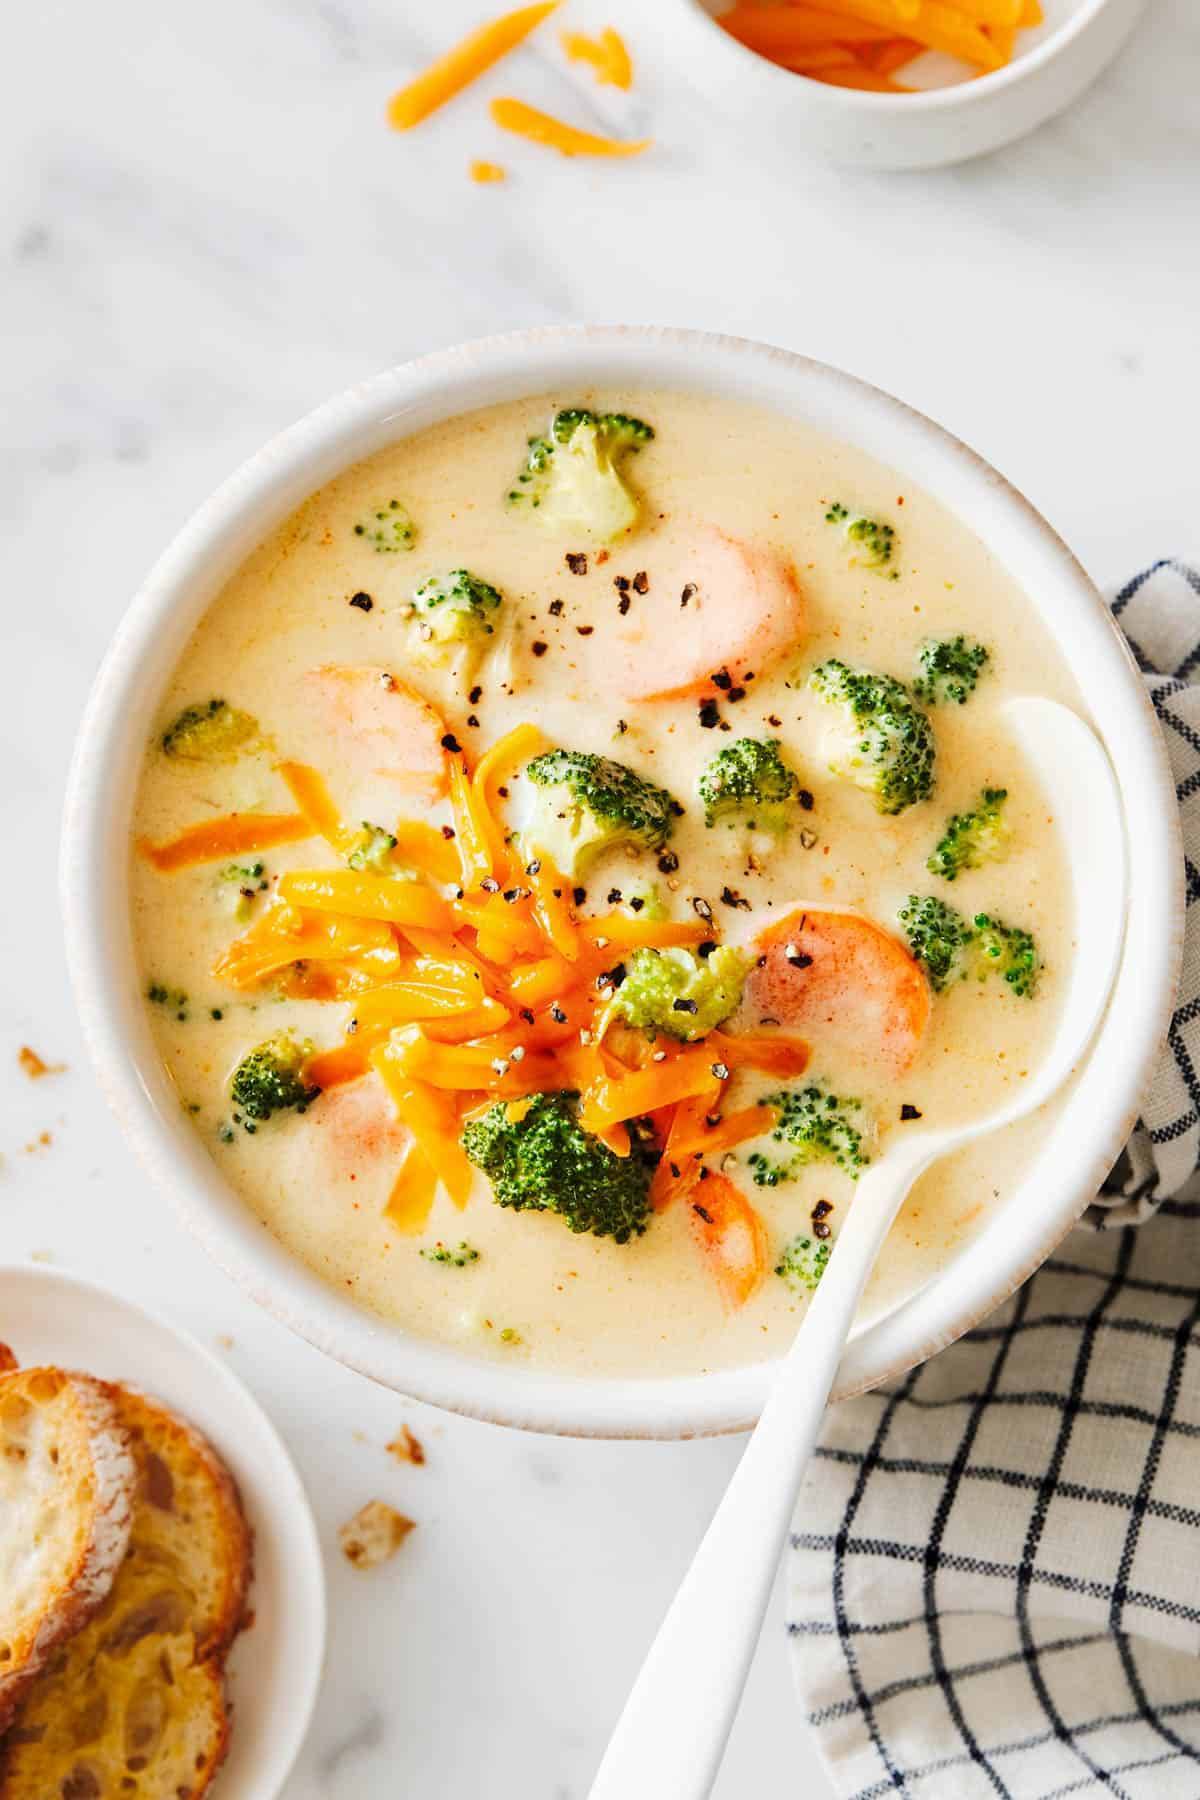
[{"x": 320, "y": 1180}]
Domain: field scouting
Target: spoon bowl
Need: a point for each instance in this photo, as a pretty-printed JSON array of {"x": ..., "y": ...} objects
[{"x": 671, "y": 1737}]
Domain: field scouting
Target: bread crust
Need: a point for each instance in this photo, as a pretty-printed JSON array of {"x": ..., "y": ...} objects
[{"x": 99, "y": 1461}]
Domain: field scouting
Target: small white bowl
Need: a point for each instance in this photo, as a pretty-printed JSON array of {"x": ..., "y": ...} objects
[
  {"x": 1050, "y": 69},
  {"x": 275, "y": 1667},
  {"x": 1098, "y": 1113}
]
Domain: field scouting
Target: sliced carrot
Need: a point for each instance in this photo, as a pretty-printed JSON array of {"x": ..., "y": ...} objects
[
  {"x": 459, "y": 67},
  {"x": 839, "y": 977},
  {"x": 606, "y": 54},
  {"x": 542, "y": 128},
  {"x": 234, "y": 835},
  {"x": 413, "y": 1191},
  {"x": 731, "y": 1236},
  {"x": 382, "y": 725},
  {"x": 433, "y": 1120},
  {"x": 311, "y": 795},
  {"x": 771, "y": 1053},
  {"x": 613, "y": 1100}
]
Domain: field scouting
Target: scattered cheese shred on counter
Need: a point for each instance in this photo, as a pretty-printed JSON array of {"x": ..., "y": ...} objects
[
  {"x": 607, "y": 55},
  {"x": 541, "y": 128},
  {"x": 485, "y": 172},
  {"x": 462, "y": 65}
]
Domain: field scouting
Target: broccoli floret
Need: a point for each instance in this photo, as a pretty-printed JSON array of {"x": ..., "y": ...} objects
[
  {"x": 802, "y": 1263},
  {"x": 387, "y": 528},
  {"x": 1008, "y": 951},
  {"x": 243, "y": 882},
  {"x": 456, "y": 608},
  {"x": 270, "y": 1079},
  {"x": 371, "y": 849},
  {"x": 674, "y": 991},
  {"x": 813, "y": 1126},
  {"x": 748, "y": 781},
  {"x": 938, "y": 937},
  {"x": 885, "y": 744},
  {"x": 973, "y": 838},
  {"x": 538, "y": 1156},
  {"x": 949, "y": 670},
  {"x": 571, "y": 479},
  {"x": 873, "y": 542},
  {"x": 442, "y": 1253},
  {"x": 585, "y": 804},
  {"x": 211, "y": 732}
]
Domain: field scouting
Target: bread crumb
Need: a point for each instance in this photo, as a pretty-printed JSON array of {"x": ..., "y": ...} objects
[
  {"x": 407, "y": 1448},
  {"x": 374, "y": 1534},
  {"x": 36, "y": 1066}
]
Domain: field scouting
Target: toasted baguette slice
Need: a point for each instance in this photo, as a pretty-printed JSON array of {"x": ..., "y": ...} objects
[
  {"x": 133, "y": 1708},
  {"x": 67, "y": 1490}
]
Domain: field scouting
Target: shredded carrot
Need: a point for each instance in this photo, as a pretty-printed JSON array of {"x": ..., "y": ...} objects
[
  {"x": 606, "y": 54},
  {"x": 412, "y": 1192},
  {"x": 476, "y": 53},
  {"x": 361, "y": 896},
  {"x": 311, "y": 795},
  {"x": 432, "y": 1118},
  {"x": 215, "y": 839},
  {"x": 542, "y": 128},
  {"x": 486, "y": 174}
]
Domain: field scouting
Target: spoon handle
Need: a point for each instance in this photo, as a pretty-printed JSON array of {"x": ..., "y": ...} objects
[{"x": 670, "y": 1739}]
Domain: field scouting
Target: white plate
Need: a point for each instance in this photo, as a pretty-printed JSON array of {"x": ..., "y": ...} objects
[{"x": 275, "y": 1669}]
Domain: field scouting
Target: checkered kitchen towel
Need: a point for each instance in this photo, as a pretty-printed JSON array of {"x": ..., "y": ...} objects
[{"x": 995, "y": 1587}]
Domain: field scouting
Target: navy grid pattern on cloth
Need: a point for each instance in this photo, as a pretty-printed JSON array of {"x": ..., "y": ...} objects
[{"x": 995, "y": 1581}]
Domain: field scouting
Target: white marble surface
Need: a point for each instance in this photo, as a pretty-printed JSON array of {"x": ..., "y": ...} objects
[{"x": 205, "y": 229}]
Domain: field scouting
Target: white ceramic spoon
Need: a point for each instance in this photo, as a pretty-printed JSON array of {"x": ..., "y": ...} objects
[{"x": 671, "y": 1737}]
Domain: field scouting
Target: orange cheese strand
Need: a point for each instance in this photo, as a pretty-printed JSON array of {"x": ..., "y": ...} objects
[
  {"x": 360, "y": 896},
  {"x": 432, "y": 1118},
  {"x": 606, "y": 54},
  {"x": 612, "y": 1101},
  {"x": 412, "y": 1192},
  {"x": 215, "y": 839},
  {"x": 542, "y": 128},
  {"x": 311, "y": 795},
  {"x": 469, "y": 59},
  {"x": 424, "y": 847},
  {"x": 486, "y": 174}
]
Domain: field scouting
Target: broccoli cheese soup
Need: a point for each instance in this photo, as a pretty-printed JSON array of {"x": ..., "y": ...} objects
[{"x": 573, "y": 846}]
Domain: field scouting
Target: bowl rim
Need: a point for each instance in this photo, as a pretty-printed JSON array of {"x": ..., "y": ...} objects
[
  {"x": 112, "y": 735},
  {"x": 921, "y": 100}
]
